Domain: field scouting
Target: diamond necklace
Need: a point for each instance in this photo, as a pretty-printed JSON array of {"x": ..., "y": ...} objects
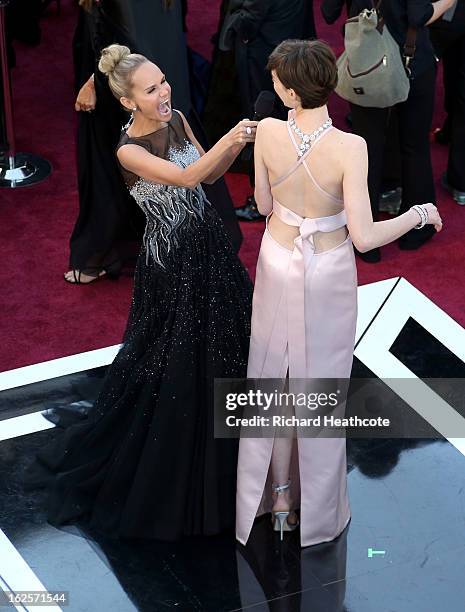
[{"x": 307, "y": 139}]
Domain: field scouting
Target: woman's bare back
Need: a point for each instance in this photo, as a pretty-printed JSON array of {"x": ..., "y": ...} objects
[{"x": 320, "y": 196}]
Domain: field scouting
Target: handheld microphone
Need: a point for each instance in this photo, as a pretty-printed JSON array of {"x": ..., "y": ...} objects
[
  {"x": 263, "y": 108},
  {"x": 264, "y": 105}
]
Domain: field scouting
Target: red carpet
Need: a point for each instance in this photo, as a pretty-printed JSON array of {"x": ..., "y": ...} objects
[{"x": 45, "y": 318}]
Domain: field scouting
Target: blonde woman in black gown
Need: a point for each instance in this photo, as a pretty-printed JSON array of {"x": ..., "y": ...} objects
[{"x": 145, "y": 463}]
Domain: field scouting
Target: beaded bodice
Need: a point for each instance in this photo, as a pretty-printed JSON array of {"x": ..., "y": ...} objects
[{"x": 167, "y": 208}]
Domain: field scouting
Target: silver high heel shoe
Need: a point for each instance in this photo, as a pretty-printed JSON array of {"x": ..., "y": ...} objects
[{"x": 280, "y": 522}]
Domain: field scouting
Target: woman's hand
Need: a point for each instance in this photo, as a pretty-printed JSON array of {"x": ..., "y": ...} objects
[
  {"x": 243, "y": 133},
  {"x": 434, "y": 217},
  {"x": 86, "y": 98},
  {"x": 439, "y": 8}
]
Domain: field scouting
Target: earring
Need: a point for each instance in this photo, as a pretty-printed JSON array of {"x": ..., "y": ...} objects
[{"x": 135, "y": 108}]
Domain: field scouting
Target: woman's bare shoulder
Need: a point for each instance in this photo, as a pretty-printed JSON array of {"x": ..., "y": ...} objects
[
  {"x": 350, "y": 148},
  {"x": 348, "y": 139},
  {"x": 347, "y": 150},
  {"x": 270, "y": 124}
]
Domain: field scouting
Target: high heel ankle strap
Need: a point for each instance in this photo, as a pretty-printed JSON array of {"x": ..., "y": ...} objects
[{"x": 280, "y": 488}]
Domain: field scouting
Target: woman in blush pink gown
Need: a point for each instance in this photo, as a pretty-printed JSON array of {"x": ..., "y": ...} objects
[{"x": 311, "y": 181}]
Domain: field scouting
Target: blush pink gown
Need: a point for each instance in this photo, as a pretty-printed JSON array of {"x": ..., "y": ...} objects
[{"x": 303, "y": 322}]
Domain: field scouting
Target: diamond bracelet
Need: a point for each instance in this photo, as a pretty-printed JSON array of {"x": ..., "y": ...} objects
[{"x": 423, "y": 214}]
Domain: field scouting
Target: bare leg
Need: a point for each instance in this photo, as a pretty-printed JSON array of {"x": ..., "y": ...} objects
[{"x": 280, "y": 463}]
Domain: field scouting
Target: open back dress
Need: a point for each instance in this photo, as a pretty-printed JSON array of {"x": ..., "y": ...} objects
[{"x": 303, "y": 325}]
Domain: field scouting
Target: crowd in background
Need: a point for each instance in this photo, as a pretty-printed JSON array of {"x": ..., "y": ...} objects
[
  {"x": 397, "y": 137},
  {"x": 215, "y": 97}
]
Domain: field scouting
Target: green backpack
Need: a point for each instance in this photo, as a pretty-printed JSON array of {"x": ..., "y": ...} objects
[{"x": 371, "y": 70}]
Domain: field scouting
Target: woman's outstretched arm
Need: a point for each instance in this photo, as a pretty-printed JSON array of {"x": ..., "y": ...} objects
[
  {"x": 138, "y": 160},
  {"x": 224, "y": 163},
  {"x": 365, "y": 233}
]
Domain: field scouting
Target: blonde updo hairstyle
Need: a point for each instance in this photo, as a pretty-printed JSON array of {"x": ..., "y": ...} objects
[{"x": 119, "y": 64}]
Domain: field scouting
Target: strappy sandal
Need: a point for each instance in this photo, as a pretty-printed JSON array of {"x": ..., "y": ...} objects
[
  {"x": 281, "y": 518},
  {"x": 77, "y": 277}
]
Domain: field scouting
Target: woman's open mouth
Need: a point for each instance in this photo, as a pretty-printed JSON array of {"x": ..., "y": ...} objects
[{"x": 164, "y": 108}]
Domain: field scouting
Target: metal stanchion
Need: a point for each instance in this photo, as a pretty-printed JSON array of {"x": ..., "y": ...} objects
[{"x": 16, "y": 169}]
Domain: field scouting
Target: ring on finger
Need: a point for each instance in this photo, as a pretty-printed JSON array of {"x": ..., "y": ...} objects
[{"x": 248, "y": 130}]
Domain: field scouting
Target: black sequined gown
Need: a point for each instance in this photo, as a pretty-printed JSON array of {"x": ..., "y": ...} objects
[{"x": 145, "y": 462}]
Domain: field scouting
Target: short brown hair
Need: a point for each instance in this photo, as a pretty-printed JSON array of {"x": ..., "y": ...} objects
[{"x": 308, "y": 67}]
